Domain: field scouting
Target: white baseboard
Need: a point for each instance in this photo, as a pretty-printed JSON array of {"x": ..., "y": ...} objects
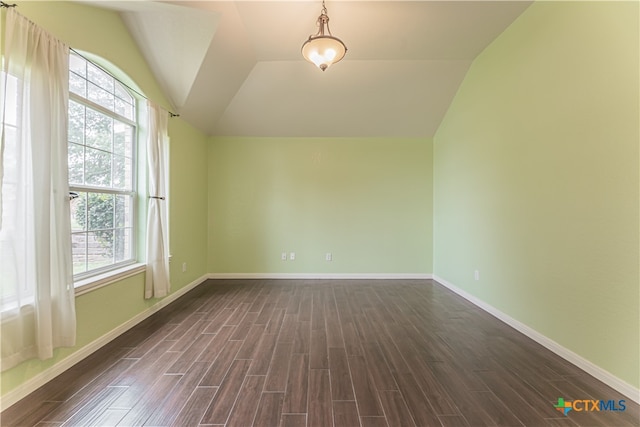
[
  {"x": 606, "y": 377},
  {"x": 344, "y": 276},
  {"x": 42, "y": 378}
]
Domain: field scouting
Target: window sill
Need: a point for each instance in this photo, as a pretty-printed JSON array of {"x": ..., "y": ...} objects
[{"x": 96, "y": 282}]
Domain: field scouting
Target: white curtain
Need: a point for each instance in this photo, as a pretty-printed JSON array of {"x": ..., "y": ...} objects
[
  {"x": 36, "y": 273},
  {"x": 157, "y": 278}
]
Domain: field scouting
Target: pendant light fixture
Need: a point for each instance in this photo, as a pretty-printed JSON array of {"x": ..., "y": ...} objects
[{"x": 323, "y": 49}]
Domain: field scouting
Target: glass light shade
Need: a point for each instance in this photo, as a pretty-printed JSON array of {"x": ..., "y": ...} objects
[{"x": 323, "y": 50}]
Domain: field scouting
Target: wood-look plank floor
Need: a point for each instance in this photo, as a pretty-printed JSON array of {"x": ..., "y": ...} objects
[{"x": 293, "y": 353}]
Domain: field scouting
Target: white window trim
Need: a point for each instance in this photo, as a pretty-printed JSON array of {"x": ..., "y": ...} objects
[{"x": 101, "y": 280}]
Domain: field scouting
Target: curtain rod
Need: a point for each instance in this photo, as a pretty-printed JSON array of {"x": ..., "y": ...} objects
[{"x": 171, "y": 114}]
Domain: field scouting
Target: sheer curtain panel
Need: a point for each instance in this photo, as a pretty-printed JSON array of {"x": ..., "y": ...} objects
[
  {"x": 157, "y": 283},
  {"x": 36, "y": 275}
]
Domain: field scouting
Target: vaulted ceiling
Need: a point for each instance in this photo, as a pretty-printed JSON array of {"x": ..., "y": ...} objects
[{"x": 234, "y": 68}]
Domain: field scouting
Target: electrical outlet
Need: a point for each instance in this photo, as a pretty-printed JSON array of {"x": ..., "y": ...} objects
[
  {"x": 292, "y": 256},
  {"x": 328, "y": 256},
  {"x": 184, "y": 267},
  {"x": 283, "y": 256},
  {"x": 476, "y": 275}
]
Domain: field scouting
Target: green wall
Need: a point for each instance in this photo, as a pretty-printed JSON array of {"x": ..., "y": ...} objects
[
  {"x": 367, "y": 201},
  {"x": 101, "y": 32},
  {"x": 188, "y": 198},
  {"x": 536, "y": 179}
]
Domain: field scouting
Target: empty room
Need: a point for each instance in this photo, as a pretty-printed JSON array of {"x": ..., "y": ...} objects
[{"x": 320, "y": 213}]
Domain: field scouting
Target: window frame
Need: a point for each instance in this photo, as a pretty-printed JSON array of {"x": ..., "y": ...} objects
[
  {"x": 106, "y": 274},
  {"x": 9, "y": 302}
]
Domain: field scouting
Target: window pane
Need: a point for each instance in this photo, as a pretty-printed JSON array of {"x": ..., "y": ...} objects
[
  {"x": 79, "y": 213},
  {"x": 79, "y": 252},
  {"x": 100, "y": 249},
  {"x": 11, "y": 93},
  {"x": 78, "y": 65},
  {"x": 76, "y": 122},
  {"x": 122, "y": 138},
  {"x": 123, "y": 206},
  {"x": 122, "y": 173},
  {"x": 76, "y": 164},
  {"x": 124, "y": 109},
  {"x": 98, "y": 77},
  {"x": 99, "y": 130},
  {"x": 123, "y": 93},
  {"x": 77, "y": 84},
  {"x": 122, "y": 244},
  {"x": 100, "y": 96},
  {"x": 97, "y": 166},
  {"x": 100, "y": 211},
  {"x": 8, "y": 291},
  {"x": 10, "y": 151}
]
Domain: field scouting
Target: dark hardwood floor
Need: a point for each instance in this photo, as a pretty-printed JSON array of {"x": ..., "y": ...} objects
[{"x": 295, "y": 353}]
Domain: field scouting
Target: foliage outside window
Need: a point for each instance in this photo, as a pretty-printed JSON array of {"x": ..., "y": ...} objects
[{"x": 102, "y": 143}]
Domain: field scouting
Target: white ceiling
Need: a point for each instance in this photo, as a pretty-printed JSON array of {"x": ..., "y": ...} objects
[{"x": 234, "y": 68}]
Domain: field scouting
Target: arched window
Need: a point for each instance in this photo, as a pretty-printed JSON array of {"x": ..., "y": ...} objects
[{"x": 102, "y": 148}]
